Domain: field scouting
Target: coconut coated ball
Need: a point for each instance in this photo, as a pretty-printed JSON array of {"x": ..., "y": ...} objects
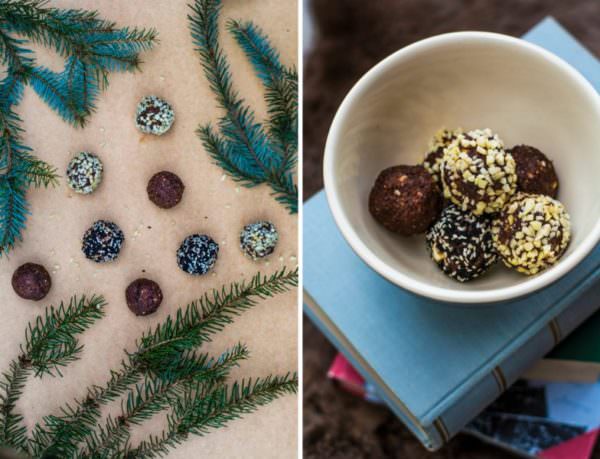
[
  {"x": 259, "y": 239},
  {"x": 154, "y": 115},
  {"x": 84, "y": 173}
]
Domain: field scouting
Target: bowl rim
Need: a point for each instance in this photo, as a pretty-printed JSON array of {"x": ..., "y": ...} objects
[{"x": 398, "y": 277}]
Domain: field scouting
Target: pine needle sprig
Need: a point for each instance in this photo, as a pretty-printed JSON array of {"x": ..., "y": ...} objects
[
  {"x": 155, "y": 395},
  {"x": 50, "y": 343},
  {"x": 249, "y": 153},
  {"x": 199, "y": 412},
  {"x": 92, "y": 48},
  {"x": 192, "y": 326}
]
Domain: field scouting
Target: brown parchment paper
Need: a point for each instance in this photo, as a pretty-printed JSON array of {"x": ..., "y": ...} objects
[{"x": 212, "y": 204}]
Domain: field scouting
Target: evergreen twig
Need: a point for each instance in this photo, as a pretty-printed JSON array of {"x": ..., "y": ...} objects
[
  {"x": 249, "y": 153},
  {"x": 50, "y": 343}
]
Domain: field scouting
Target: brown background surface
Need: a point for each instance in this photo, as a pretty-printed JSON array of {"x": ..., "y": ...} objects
[
  {"x": 352, "y": 36},
  {"x": 211, "y": 204}
]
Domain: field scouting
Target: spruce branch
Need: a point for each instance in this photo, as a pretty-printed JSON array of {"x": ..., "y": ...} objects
[
  {"x": 197, "y": 413},
  {"x": 243, "y": 148},
  {"x": 50, "y": 342},
  {"x": 155, "y": 395},
  {"x": 195, "y": 324}
]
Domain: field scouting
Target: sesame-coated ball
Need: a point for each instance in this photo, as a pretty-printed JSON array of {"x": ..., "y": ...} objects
[
  {"x": 461, "y": 243},
  {"x": 259, "y": 239},
  {"x": 532, "y": 232},
  {"x": 154, "y": 115},
  {"x": 84, "y": 173},
  {"x": 197, "y": 254},
  {"x": 477, "y": 173},
  {"x": 433, "y": 160},
  {"x": 102, "y": 242}
]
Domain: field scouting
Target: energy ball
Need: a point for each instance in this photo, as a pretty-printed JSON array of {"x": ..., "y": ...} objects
[
  {"x": 154, "y": 115},
  {"x": 84, "y": 173},
  {"x": 477, "y": 174},
  {"x": 532, "y": 232},
  {"x": 405, "y": 199},
  {"x": 197, "y": 254},
  {"x": 461, "y": 244},
  {"x": 535, "y": 172},
  {"x": 165, "y": 189},
  {"x": 102, "y": 242},
  {"x": 433, "y": 161},
  {"x": 258, "y": 240},
  {"x": 143, "y": 296},
  {"x": 31, "y": 281}
]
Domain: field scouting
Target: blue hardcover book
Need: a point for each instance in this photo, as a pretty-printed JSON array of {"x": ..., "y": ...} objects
[{"x": 438, "y": 365}]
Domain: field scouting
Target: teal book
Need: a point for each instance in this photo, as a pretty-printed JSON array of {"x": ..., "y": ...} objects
[{"x": 438, "y": 365}]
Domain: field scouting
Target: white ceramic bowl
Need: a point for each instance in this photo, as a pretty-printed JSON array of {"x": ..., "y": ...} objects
[{"x": 472, "y": 80}]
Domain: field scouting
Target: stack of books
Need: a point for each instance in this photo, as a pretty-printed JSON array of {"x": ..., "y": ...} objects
[{"x": 445, "y": 369}]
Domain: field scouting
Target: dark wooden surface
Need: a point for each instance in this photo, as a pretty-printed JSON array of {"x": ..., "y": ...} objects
[{"x": 352, "y": 36}]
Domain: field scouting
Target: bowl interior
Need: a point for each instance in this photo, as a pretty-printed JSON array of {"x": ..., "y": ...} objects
[{"x": 471, "y": 80}]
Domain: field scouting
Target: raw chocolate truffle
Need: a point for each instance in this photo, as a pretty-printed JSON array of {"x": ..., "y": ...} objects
[
  {"x": 433, "y": 160},
  {"x": 102, "y": 242},
  {"x": 154, "y": 115},
  {"x": 84, "y": 173},
  {"x": 259, "y": 239},
  {"x": 197, "y": 254},
  {"x": 143, "y": 296},
  {"x": 535, "y": 172},
  {"x": 405, "y": 199},
  {"x": 31, "y": 281},
  {"x": 477, "y": 174},
  {"x": 165, "y": 189},
  {"x": 461, "y": 244},
  {"x": 532, "y": 232}
]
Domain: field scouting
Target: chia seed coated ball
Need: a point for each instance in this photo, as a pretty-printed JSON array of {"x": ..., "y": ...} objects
[
  {"x": 154, "y": 115},
  {"x": 433, "y": 161},
  {"x": 259, "y": 239},
  {"x": 143, "y": 296},
  {"x": 197, "y": 254},
  {"x": 102, "y": 242},
  {"x": 532, "y": 232},
  {"x": 165, "y": 189},
  {"x": 461, "y": 244},
  {"x": 535, "y": 172},
  {"x": 405, "y": 199},
  {"x": 84, "y": 173},
  {"x": 31, "y": 281},
  {"x": 477, "y": 174}
]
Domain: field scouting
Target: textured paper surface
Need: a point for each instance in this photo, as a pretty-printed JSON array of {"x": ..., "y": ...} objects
[{"x": 210, "y": 205}]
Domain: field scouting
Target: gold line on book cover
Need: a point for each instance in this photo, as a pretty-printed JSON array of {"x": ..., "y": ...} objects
[
  {"x": 555, "y": 329},
  {"x": 441, "y": 428},
  {"x": 500, "y": 379}
]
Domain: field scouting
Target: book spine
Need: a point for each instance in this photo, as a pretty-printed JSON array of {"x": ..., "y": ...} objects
[{"x": 454, "y": 418}]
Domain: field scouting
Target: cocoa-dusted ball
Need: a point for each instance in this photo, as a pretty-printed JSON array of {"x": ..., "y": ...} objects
[
  {"x": 31, "y": 281},
  {"x": 405, "y": 199},
  {"x": 478, "y": 175},
  {"x": 165, "y": 189},
  {"x": 535, "y": 172},
  {"x": 143, "y": 296}
]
